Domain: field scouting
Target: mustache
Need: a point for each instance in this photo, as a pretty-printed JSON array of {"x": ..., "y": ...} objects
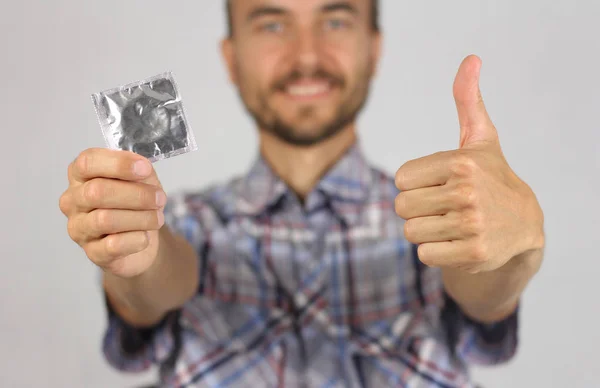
[{"x": 318, "y": 74}]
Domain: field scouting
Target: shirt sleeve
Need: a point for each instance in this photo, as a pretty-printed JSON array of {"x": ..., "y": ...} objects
[
  {"x": 133, "y": 349},
  {"x": 479, "y": 343}
]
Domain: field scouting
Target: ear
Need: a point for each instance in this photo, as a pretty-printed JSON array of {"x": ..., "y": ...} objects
[{"x": 228, "y": 53}]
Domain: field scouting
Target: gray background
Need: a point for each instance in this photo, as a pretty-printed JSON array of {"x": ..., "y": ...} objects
[{"x": 540, "y": 81}]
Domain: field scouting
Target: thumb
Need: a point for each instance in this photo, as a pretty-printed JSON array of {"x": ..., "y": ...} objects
[{"x": 475, "y": 123}]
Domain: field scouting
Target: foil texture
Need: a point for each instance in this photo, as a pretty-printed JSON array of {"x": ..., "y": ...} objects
[{"x": 145, "y": 117}]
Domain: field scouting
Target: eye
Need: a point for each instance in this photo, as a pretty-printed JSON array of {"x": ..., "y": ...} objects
[
  {"x": 335, "y": 24},
  {"x": 273, "y": 27}
]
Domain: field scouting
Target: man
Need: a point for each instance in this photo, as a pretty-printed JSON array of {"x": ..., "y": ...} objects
[{"x": 314, "y": 269}]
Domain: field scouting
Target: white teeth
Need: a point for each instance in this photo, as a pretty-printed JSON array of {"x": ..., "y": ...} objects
[{"x": 307, "y": 90}]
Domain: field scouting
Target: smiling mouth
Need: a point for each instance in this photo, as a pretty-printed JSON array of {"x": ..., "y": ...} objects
[{"x": 308, "y": 90}]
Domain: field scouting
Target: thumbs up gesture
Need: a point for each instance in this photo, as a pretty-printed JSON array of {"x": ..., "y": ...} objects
[{"x": 466, "y": 208}]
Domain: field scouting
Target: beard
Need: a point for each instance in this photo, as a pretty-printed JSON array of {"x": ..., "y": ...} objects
[{"x": 268, "y": 119}]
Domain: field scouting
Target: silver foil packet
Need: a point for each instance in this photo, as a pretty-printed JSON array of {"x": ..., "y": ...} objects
[{"x": 145, "y": 117}]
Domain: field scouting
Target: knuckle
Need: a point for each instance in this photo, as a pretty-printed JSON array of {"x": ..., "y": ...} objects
[
  {"x": 465, "y": 194},
  {"x": 64, "y": 203},
  {"x": 473, "y": 223},
  {"x": 147, "y": 196},
  {"x": 89, "y": 252},
  {"x": 81, "y": 163},
  {"x": 103, "y": 220},
  {"x": 479, "y": 253},
  {"x": 112, "y": 246},
  {"x": 455, "y": 221},
  {"x": 124, "y": 162},
  {"x": 424, "y": 257},
  {"x": 143, "y": 195},
  {"x": 120, "y": 246},
  {"x": 70, "y": 170},
  {"x": 400, "y": 205},
  {"x": 463, "y": 165},
  {"x": 409, "y": 232},
  {"x": 72, "y": 230},
  {"x": 144, "y": 242},
  {"x": 400, "y": 179},
  {"x": 92, "y": 191}
]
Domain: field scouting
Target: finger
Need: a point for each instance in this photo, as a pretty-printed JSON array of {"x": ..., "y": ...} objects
[
  {"x": 459, "y": 253},
  {"x": 475, "y": 123},
  {"x": 428, "y": 201},
  {"x": 443, "y": 253},
  {"x": 107, "y": 163},
  {"x": 75, "y": 230},
  {"x": 101, "y": 222},
  {"x": 427, "y": 171},
  {"x": 436, "y": 200},
  {"x": 103, "y": 193},
  {"x": 433, "y": 229},
  {"x": 65, "y": 203},
  {"x": 116, "y": 246}
]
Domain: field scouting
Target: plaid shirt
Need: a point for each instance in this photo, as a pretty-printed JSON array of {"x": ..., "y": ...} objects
[{"x": 323, "y": 294}]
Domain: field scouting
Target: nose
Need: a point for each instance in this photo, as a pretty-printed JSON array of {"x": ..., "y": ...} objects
[{"x": 307, "y": 51}]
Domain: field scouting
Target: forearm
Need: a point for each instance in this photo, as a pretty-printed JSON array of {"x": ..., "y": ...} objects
[
  {"x": 172, "y": 280},
  {"x": 491, "y": 296}
]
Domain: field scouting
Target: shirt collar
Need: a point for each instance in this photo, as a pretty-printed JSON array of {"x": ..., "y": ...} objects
[{"x": 346, "y": 184}]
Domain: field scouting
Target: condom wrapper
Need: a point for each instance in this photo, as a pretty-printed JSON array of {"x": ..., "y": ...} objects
[{"x": 145, "y": 117}]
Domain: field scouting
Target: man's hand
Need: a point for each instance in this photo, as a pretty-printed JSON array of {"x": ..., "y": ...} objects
[
  {"x": 114, "y": 204},
  {"x": 466, "y": 208}
]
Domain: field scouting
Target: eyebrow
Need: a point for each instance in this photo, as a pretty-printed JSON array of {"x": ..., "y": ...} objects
[
  {"x": 265, "y": 11},
  {"x": 339, "y": 6},
  {"x": 277, "y": 11}
]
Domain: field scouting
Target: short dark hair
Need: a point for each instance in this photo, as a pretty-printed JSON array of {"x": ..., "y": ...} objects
[{"x": 374, "y": 16}]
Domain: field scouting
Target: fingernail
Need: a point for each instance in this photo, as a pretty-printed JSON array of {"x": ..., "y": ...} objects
[
  {"x": 161, "y": 218},
  {"x": 142, "y": 168},
  {"x": 161, "y": 198}
]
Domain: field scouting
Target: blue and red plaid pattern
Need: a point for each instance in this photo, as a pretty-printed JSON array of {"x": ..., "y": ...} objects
[{"x": 325, "y": 293}]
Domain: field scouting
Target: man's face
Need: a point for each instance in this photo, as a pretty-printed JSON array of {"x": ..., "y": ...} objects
[{"x": 302, "y": 67}]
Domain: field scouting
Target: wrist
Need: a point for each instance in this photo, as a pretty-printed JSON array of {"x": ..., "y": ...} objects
[
  {"x": 125, "y": 301},
  {"x": 486, "y": 315},
  {"x": 133, "y": 298}
]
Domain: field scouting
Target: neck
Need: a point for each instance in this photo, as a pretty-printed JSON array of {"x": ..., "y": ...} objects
[{"x": 301, "y": 168}]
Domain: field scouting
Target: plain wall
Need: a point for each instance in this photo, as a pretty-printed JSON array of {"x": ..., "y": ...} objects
[{"x": 540, "y": 80}]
